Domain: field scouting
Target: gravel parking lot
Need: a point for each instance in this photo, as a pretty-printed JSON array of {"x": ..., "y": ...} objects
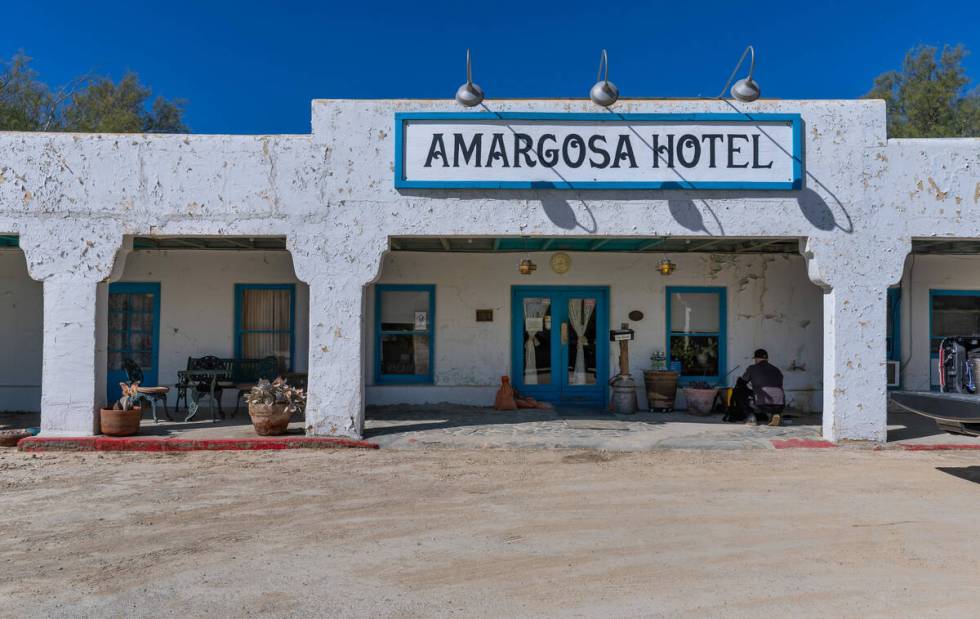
[{"x": 535, "y": 532}]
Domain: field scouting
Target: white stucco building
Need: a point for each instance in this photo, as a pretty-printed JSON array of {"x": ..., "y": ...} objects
[{"x": 383, "y": 261}]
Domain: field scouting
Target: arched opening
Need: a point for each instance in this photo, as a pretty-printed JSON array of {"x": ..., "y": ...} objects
[
  {"x": 186, "y": 305},
  {"x": 22, "y": 333},
  {"x": 448, "y": 316}
]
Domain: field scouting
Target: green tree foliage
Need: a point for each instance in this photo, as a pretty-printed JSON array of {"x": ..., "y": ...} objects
[
  {"x": 928, "y": 98},
  {"x": 90, "y": 104}
]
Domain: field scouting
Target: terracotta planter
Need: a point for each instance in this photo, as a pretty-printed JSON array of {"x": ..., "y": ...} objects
[
  {"x": 9, "y": 438},
  {"x": 115, "y": 422},
  {"x": 661, "y": 389},
  {"x": 699, "y": 401},
  {"x": 269, "y": 419}
]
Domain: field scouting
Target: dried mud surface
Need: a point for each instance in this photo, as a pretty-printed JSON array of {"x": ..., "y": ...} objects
[{"x": 430, "y": 533}]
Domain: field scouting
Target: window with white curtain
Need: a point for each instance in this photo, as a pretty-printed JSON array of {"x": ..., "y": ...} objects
[{"x": 265, "y": 322}]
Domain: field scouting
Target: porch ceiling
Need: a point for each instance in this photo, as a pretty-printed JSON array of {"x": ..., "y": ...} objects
[
  {"x": 238, "y": 243},
  {"x": 713, "y": 245}
]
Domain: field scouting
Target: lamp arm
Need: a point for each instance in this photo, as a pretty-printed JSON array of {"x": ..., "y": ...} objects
[
  {"x": 603, "y": 62},
  {"x": 748, "y": 50}
]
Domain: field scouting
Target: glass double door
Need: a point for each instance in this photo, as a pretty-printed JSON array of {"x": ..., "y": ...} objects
[{"x": 560, "y": 343}]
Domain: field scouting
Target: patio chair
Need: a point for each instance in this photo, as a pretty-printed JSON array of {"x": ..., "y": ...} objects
[{"x": 134, "y": 374}]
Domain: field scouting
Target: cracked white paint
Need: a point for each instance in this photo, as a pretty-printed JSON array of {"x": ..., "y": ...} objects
[{"x": 74, "y": 198}]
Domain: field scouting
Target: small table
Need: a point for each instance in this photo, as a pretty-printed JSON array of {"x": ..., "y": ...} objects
[{"x": 194, "y": 376}]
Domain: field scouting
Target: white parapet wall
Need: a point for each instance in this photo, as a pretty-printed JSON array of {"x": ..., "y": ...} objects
[{"x": 76, "y": 200}]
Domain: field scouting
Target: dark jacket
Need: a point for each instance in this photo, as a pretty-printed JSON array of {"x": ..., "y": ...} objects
[{"x": 767, "y": 384}]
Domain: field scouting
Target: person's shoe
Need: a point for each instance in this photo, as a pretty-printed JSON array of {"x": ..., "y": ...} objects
[
  {"x": 776, "y": 420},
  {"x": 750, "y": 420}
]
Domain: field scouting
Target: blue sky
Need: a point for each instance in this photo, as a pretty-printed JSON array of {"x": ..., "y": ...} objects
[{"x": 250, "y": 67}]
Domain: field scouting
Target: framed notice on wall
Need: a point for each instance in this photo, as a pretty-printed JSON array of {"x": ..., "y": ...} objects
[{"x": 506, "y": 150}]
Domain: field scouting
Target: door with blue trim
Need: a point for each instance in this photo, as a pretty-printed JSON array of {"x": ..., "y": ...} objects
[
  {"x": 134, "y": 333},
  {"x": 560, "y": 344}
]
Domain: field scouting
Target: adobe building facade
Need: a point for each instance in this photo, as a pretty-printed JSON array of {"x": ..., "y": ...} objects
[{"x": 797, "y": 226}]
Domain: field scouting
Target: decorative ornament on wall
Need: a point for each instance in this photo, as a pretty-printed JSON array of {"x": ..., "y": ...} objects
[{"x": 561, "y": 263}]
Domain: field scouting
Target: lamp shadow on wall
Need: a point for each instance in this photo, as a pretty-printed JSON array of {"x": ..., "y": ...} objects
[{"x": 561, "y": 213}]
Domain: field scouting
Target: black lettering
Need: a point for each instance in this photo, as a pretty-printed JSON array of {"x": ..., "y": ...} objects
[
  {"x": 712, "y": 139},
  {"x": 667, "y": 149},
  {"x": 573, "y": 140},
  {"x": 497, "y": 151},
  {"x": 522, "y": 146},
  {"x": 437, "y": 150},
  {"x": 755, "y": 153},
  {"x": 689, "y": 141},
  {"x": 547, "y": 157},
  {"x": 732, "y": 149},
  {"x": 597, "y": 150},
  {"x": 624, "y": 150},
  {"x": 474, "y": 150}
]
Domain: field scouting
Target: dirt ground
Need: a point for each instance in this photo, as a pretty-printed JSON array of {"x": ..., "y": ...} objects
[{"x": 427, "y": 533}]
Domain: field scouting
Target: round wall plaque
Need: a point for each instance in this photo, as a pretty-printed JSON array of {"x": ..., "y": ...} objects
[
  {"x": 561, "y": 263},
  {"x": 636, "y": 315}
]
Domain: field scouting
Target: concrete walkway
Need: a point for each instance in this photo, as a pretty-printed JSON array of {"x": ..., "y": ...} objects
[{"x": 455, "y": 426}]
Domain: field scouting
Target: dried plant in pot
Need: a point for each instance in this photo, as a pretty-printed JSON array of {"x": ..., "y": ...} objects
[
  {"x": 123, "y": 419},
  {"x": 272, "y": 404}
]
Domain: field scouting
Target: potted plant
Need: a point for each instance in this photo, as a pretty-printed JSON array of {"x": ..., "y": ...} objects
[
  {"x": 661, "y": 383},
  {"x": 123, "y": 419},
  {"x": 271, "y": 405}
]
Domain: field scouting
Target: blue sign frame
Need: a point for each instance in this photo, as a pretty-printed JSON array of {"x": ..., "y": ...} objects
[{"x": 794, "y": 120}]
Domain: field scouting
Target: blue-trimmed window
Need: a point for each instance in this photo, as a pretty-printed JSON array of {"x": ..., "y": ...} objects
[
  {"x": 404, "y": 323},
  {"x": 265, "y": 322},
  {"x": 697, "y": 331},
  {"x": 951, "y": 313}
]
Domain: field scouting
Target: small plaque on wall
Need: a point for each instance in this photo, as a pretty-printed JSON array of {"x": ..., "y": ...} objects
[{"x": 484, "y": 315}]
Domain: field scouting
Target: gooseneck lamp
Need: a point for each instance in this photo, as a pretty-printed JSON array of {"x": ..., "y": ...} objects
[
  {"x": 469, "y": 94},
  {"x": 747, "y": 89},
  {"x": 604, "y": 92}
]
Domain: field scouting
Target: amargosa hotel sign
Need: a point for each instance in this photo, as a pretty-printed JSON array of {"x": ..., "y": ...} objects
[{"x": 598, "y": 151}]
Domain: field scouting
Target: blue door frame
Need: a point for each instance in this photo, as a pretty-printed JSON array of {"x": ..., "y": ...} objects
[
  {"x": 560, "y": 391},
  {"x": 150, "y": 374}
]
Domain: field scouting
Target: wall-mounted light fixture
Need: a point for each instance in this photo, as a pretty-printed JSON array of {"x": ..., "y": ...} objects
[
  {"x": 469, "y": 94},
  {"x": 665, "y": 267},
  {"x": 747, "y": 89},
  {"x": 604, "y": 92}
]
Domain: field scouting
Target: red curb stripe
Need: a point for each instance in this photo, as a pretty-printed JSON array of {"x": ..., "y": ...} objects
[
  {"x": 941, "y": 447},
  {"x": 156, "y": 445},
  {"x": 801, "y": 443}
]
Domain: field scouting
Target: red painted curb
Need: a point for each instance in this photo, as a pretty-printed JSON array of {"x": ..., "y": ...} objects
[
  {"x": 161, "y": 444},
  {"x": 801, "y": 443},
  {"x": 941, "y": 447}
]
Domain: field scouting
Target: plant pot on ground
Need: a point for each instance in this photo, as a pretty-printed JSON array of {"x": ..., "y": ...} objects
[
  {"x": 272, "y": 405},
  {"x": 700, "y": 397},
  {"x": 123, "y": 419},
  {"x": 661, "y": 387}
]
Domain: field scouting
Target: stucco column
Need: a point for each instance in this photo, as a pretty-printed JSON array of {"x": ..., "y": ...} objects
[
  {"x": 73, "y": 263},
  {"x": 855, "y": 278},
  {"x": 336, "y": 275}
]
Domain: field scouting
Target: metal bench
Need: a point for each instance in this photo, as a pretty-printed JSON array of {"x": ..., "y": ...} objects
[{"x": 242, "y": 375}]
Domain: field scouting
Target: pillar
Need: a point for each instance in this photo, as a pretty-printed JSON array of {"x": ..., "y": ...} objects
[
  {"x": 73, "y": 262},
  {"x": 855, "y": 278},
  {"x": 337, "y": 273}
]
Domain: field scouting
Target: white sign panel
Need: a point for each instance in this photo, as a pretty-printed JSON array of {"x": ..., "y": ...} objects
[{"x": 598, "y": 151}]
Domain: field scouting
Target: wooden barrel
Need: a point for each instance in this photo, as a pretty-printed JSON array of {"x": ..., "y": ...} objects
[{"x": 661, "y": 388}]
